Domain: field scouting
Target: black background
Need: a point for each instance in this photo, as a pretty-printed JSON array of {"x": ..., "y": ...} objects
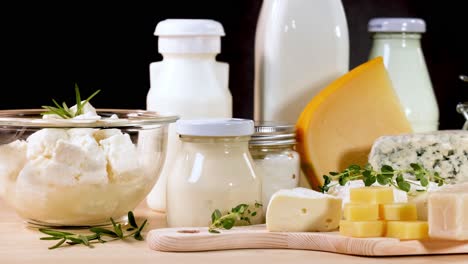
[{"x": 46, "y": 48}]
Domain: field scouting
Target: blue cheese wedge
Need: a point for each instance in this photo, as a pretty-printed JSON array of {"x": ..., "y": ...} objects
[
  {"x": 303, "y": 210},
  {"x": 445, "y": 152}
]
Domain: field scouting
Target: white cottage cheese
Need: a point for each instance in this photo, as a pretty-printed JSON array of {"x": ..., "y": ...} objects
[{"x": 77, "y": 176}]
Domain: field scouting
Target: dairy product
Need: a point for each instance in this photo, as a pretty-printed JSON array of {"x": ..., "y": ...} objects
[
  {"x": 12, "y": 160},
  {"x": 343, "y": 191},
  {"x": 407, "y": 229},
  {"x": 448, "y": 212},
  {"x": 362, "y": 228},
  {"x": 371, "y": 194},
  {"x": 339, "y": 125},
  {"x": 213, "y": 170},
  {"x": 397, "y": 40},
  {"x": 303, "y": 210},
  {"x": 76, "y": 176},
  {"x": 445, "y": 152},
  {"x": 373, "y": 213},
  {"x": 272, "y": 148},
  {"x": 300, "y": 46},
  {"x": 398, "y": 212},
  {"x": 361, "y": 212},
  {"x": 189, "y": 81}
]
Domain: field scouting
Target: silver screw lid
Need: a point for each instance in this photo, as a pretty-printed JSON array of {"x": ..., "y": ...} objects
[{"x": 273, "y": 134}]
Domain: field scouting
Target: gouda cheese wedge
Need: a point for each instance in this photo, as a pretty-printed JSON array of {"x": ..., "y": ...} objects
[{"x": 339, "y": 125}]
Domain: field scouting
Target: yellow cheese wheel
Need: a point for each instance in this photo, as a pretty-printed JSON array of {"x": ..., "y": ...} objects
[{"x": 339, "y": 125}]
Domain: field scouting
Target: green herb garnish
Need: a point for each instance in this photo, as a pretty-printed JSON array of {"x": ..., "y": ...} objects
[
  {"x": 240, "y": 213},
  {"x": 100, "y": 235},
  {"x": 385, "y": 176},
  {"x": 64, "y": 111}
]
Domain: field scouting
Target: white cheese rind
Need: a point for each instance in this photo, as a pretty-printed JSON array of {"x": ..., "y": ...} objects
[
  {"x": 445, "y": 152},
  {"x": 448, "y": 212},
  {"x": 303, "y": 210}
]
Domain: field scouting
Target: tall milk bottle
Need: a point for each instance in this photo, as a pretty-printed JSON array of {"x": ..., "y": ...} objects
[
  {"x": 301, "y": 46},
  {"x": 188, "y": 81}
]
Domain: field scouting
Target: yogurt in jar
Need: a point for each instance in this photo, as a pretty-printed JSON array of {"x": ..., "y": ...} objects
[{"x": 213, "y": 170}]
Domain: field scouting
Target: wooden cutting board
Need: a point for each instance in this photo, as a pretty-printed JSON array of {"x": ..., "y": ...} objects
[{"x": 199, "y": 239}]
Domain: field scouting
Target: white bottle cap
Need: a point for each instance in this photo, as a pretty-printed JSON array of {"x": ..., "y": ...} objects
[
  {"x": 231, "y": 127},
  {"x": 189, "y": 36},
  {"x": 383, "y": 24}
]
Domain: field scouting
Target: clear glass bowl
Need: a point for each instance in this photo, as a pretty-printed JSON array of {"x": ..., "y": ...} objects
[{"x": 64, "y": 172}]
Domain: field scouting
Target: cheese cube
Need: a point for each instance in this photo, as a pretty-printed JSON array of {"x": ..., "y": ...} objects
[
  {"x": 398, "y": 211},
  {"x": 361, "y": 212},
  {"x": 362, "y": 228},
  {"x": 448, "y": 212},
  {"x": 372, "y": 195},
  {"x": 302, "y": 210},
  {"x": 407, "y": 229}
]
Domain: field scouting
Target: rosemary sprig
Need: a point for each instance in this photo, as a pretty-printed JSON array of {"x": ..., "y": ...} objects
[
  {"x": 387, "y": 175},
  {"x": 240, "y": 213},
  {"x": 64, "y": 111},
  {"x": 98, "y": 234}
]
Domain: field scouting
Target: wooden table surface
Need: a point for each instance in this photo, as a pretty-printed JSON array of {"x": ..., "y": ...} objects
[{"x": 21, "y": 244}]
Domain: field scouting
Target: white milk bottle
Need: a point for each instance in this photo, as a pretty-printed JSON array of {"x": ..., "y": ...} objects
[
  {"x": 188, "y": 81},
  {"x": 397, "y": 40},
  {"x": 300, "y": 47}
]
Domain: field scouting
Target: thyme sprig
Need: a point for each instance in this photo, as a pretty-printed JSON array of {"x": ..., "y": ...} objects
[
  {"x": 387, "y": 175},
  {"x": 240, "y": 213},
  {"x": 98, "y": 235},
  {"x": 64, "y": 111}
]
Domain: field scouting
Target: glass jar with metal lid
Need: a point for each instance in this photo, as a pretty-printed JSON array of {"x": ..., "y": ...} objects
[
  {"x": 462, "y": 108},
  {"x": 272, "y": 148}
]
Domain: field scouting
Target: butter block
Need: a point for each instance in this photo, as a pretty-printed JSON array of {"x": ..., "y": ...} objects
[
  {"x": 372, "y": 195},
  {"x": 398, "y": 212},
  {"x": 448, "y": 212},
  {"x": 361, "y": 212},
  {"x": 362, "y": 228},
  {"x": 407, "y": 229},
  {"x": 303, "y": 210}
]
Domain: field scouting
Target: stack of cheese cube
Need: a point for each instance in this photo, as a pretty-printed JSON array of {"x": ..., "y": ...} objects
[{"x": 372, "y": 212}]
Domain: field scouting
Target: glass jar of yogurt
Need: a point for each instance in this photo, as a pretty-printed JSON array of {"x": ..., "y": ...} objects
[
  {"x": 213, "y": 170},
  {"x": 272, "y": 148}
]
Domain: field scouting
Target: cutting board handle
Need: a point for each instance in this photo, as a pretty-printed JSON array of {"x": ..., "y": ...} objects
[{"x": 249, "y": 237}]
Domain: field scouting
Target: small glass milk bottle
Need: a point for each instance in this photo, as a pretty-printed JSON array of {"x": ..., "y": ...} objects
[
  {"x": 272, "y": 148},
  {"x": 213, "y": 170},
  {"x": 397, "y": 40}
]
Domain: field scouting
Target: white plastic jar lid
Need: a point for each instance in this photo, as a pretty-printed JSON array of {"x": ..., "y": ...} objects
[
  {"x": 189, "y": 36},
  {"x": 230, "y": 127},
  {"x": 397, "y": 24},
  {"x": 189, "y": 27}
]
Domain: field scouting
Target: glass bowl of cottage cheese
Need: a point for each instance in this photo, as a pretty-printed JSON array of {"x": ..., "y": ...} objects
[{"x": 80, "y": 171}]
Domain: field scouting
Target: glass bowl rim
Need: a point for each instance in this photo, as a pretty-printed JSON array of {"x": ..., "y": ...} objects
[{"x": 126, "y": 118}]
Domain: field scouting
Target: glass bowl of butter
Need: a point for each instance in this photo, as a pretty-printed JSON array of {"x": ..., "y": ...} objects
[{"x": 80, "y": 171}]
